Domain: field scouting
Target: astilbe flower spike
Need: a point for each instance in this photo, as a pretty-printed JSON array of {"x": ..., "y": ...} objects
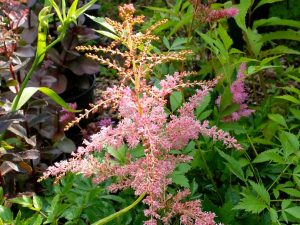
[
  {"x": 144, "y": 122},
  {"x": 205, "y": 14},
  {"x": 239, "y": 96}
]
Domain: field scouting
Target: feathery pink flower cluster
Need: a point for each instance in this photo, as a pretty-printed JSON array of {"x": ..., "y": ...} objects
[
  {"x": 239, "y": 95},
  {"x": 144, "y": 122},
  {"x": 205, "y": 14}
]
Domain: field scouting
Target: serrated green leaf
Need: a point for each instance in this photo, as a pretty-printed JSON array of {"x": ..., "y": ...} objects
[
  {"x": 296, "y": 175},
  {"x": 240, "y": 19},
  {"x": 290, "y": 143},
  {"x": 180, "y": 179},
  {"x": 261, "y": 192},
  {"x": 176, "y": 100},
  {"x": 233, "y": 165},
  {"x": 186, "y": 19},
  {"x": 281, "y": 49},
  {"x": 279, "y": 35},
  {"x": 226, "y": 39},
  {"x": 263, "y": 2},
  {"x": 269, "y": 155},
  {"x": 291, "y": 191},
  {"x": 273, "y": 215},
  {"x": 285, "y": 203},
  {"x": 251, "y": 204},
  {"x": 290, "y": 99},
  {"x": 178, "y": 44},
  {"x": 277, "y": 118},
  {"x": 294, "y": 211},
  {"x": 275, "y": 21}
]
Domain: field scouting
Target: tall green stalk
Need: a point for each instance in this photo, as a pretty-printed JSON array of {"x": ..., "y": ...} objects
[{"x": 119, "y": 213}]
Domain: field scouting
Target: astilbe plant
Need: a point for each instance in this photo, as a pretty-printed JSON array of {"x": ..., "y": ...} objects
[{"x": 144, "y": 121}]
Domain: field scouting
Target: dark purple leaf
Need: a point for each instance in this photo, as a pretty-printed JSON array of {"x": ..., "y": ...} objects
[
  {"x": 84, "y": 66},
  {"x": 10, "y": 118}
]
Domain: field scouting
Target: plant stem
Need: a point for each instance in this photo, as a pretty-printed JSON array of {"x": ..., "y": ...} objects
[
  {"x": 30, "y": 72},
  {"x": 277, "y": 178},
  {"x": 209, "y": 173},
  {"x": 119, "y": 213}
]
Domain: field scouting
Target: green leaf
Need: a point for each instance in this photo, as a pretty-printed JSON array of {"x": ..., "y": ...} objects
[
  {"x": 281, "y": 49},
  {"x": 102, "y": 22},
  {"x": 251, "y": 204},
  {"x": 278, "y": 35},
  {"x": 119, "y": 154},
  {"x": 226, "y": 39},
  {"x": 296, "y": 175},
  {"x": 292, "y": 89},
  {"x": 176, "y": 100},
  {"x": 226, "y": 99},
  {"x": 85, "y": 7},
  {"x": 166, "y": 42},
  {"x": 277, "y": 118},
  {"x": 180, "y": 179},
  {"x": 294, "y": 78},
  {"x": 240, "y": 19},
  {"x": 273, "y": 215},
  {"x": 204, "y": 115},
  {"x": 291, "y": 191},
  {"x": 37, "y": 219},
  {"x": 186, "y": 19},
  {"x": 25, "y": 201},
  {"x": 169, "y": 11},
  {"x": 63, "y": 9},
  {"x": 289, "y": 142},
  {"x": 294, "y": 211},
  {"x": 263, "y": 2},
  {"x": 269, "y": 155},
  {"x": 37, "y": 202},
  {"x": 285, "y": 203},
  {"x": 275, "y": 21},
  {"x": 30, "y": 91},
  {"x": 261, "y": 192},
  {"x": 203, "y": 104},
  {"x": 233, "y": 165},
  {"x": 289, "y": 98},
  {"x": 178, "y": 44},
  {"x": 230, "y": 109},
  {"x": 182, "y": 168},
  {"x": 72, "y": 9},
  {"x": 57, "y": 10},
  {"x": 108, "y": 34},
  {"x": 6, "y": 214}
]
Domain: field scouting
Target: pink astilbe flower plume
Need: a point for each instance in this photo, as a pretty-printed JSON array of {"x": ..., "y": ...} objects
[
  {"x": 145, "y": 123},
  {"x": 239, "y": 96},
  {"x": 205, "y": 14}
]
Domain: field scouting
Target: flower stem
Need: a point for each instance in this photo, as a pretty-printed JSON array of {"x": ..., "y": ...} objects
[{"x": 119, "y": 213}]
